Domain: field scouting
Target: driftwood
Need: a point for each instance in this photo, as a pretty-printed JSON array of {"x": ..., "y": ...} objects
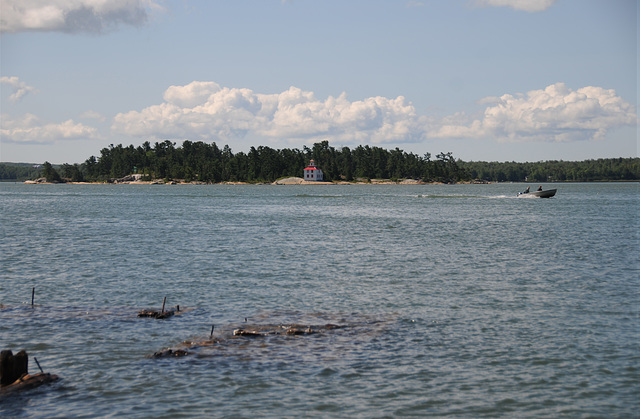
[
  {"x": 296, "y": 331},
  {"x": 247, "y": 333},
  {"x": 159, "y": 314},
  {"x": 14, "y": 373},
  {"x": 27, "y": 382},
  {"x": 291, "y": 330},
  {"x": 190, "y": 347},
  {"x": 170, "y": 353},
  {"x": 156, "y": 314},
  {"x": 180, "y": 352}
]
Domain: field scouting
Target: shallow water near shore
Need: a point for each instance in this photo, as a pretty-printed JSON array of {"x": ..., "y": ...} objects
[{"x": 451, "y": 300}]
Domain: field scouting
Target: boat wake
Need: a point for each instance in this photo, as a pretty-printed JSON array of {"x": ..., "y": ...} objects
[{"x": 464, "y": 196}]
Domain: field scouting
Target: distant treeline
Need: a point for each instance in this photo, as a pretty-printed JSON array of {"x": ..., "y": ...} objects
[
  {"x": 199, "y": 161},
  {"x": 19, "y": 171},
  {"x": 616, "y": 169}
]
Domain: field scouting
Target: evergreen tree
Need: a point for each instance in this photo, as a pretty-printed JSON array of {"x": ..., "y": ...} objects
[{"x": 49, "y": 173}]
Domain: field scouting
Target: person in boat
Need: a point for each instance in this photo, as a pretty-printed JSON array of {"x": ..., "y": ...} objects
[
  {"x": 527, "y": 190},
  {"x": 539, "y": 188}
]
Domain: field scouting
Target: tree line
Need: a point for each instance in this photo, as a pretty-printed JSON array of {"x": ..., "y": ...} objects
[
  {"x": 611, "y": 169},
  {"x": 199, "y": 161},
  {"x": 17, "y": 172}
]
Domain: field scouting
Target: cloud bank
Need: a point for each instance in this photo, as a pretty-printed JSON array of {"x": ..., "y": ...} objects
[
  {"x": 20, "y": 89},
  {"x": 72, "y": 15},
  {"x": 30, "y": 130},
  {"x": 555, "y": 114},
  {"x": 525, "y": 5},
  {"x": 207, "y": 111}
]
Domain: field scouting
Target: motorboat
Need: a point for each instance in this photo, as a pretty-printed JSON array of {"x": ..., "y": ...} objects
[{"x": 540, "y": 194}]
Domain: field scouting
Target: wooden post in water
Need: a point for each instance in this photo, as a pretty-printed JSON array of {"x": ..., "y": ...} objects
[
  {"x": 36, "y": 359},
  {"x": 212, "y": 327},
  {"x": 163, "y": 301},
  {"x": 12, "y": 366},
  {"x": 33, "y": 293}
]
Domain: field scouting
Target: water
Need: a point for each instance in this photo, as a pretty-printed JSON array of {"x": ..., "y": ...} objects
[{"x": 454, "y": 300}]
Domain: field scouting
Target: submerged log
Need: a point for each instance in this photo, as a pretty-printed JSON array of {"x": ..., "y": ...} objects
[
  {"x": 247, "y": 333},
  {"x": 298, "y": 331},
  {"x": 169, "y": 353},
  {"x": 14, "y": 373},
  {"x": 27, "y": 382},
  {"x": 258, "y": 332},
  {"x": 156, "y": 314},
  {"x": 330, "y": 326}
]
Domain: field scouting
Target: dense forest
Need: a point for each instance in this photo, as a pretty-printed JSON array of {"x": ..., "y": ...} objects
[
  {"x": 199, "y": 161},
  {"x": 19, "y": 171},
  {"x": 615, "y": 169}
]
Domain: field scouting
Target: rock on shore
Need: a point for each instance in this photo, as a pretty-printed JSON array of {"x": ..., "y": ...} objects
[{"x": 299, "y": 181}]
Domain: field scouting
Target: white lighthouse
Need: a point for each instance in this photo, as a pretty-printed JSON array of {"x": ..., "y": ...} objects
[{"x": 311, "y": 172}]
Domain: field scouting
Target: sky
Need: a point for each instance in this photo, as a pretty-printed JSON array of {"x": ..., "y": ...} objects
[{"x": 488, "y": 80}]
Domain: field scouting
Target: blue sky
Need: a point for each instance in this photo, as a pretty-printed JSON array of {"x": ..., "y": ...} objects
[{"x": 492, "y": 80}]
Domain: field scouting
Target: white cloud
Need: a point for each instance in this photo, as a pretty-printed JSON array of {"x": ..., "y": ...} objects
[
  {"x": 192, "y": 94},
  {"x": 72, "y": 15},
  {"x": 206, "y": 111},
  {"x": 555, "y": 114},
  {"x": 30, "y": 130},
  {"x": 526, "y": 5},
  {"x": 20, "y": 89}
]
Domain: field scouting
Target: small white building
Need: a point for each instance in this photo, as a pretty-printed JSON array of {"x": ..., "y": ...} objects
[{"x": 311, "y": 172}]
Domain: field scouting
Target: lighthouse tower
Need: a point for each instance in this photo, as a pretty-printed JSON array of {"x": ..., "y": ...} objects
[{"x": 311, "y": 172}]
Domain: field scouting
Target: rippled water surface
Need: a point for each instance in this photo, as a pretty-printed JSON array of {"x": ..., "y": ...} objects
[{"x": 434, "y": 300}]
